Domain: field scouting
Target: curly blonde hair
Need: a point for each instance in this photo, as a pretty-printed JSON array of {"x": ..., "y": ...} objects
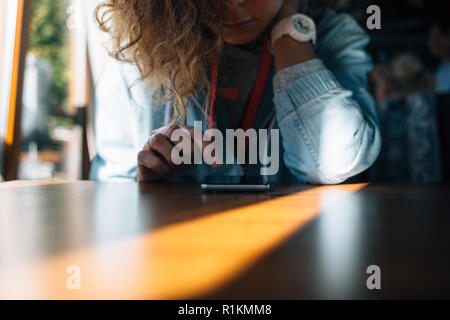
[{"x": 170, "y": 41}]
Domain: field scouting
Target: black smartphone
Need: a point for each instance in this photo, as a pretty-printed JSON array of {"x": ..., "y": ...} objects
[{"x": 235, "y": 184}]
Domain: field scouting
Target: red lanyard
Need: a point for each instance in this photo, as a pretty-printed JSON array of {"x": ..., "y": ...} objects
[{"x": 258, "y": 90}]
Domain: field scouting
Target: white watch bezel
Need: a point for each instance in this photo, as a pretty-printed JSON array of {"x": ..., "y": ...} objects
[{"x": 286, "y": 28}]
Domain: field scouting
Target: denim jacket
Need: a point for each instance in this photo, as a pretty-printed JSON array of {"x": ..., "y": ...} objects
[{"x": 326, "y": 117}]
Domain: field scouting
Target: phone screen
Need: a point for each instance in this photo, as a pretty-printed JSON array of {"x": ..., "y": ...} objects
[{"x": 235, "y": 183}]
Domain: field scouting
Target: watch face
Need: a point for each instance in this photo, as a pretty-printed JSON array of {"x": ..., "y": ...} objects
[{"x": 301, "y": 25}]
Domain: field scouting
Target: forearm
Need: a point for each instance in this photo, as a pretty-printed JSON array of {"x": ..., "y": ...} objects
[
  {"x": 289, "y": 52},
  {"x": 326, "y": 116},
  {"x": 328, "y": 135}
]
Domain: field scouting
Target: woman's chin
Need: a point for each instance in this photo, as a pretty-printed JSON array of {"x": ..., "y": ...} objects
[{"x": 241, "y": 39}]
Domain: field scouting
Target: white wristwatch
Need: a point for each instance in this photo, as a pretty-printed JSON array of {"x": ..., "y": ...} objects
[{"x": 299, "y": 27}]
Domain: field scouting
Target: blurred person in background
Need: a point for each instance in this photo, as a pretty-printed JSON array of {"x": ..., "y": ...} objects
[
  {"x": 439, "y": 43},
  {"x": 404, "y": 90}
]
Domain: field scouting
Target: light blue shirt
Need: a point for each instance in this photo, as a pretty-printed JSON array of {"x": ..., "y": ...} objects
[{"x": 327, "y": 119}]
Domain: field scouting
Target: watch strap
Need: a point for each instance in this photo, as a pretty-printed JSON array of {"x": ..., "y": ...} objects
[{"x": 285, "y": 28}]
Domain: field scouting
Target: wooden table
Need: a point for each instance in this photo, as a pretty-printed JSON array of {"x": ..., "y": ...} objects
[{"x": 126, "y": 240}]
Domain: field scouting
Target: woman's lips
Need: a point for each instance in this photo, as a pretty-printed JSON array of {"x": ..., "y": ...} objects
[{"x": 238, "y": 25}]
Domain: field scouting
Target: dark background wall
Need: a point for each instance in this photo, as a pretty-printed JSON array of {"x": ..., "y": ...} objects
[{"x": 405, "y": 26}]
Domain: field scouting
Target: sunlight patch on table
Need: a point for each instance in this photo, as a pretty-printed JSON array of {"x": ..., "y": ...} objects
[{"x": 184, "y": 260}]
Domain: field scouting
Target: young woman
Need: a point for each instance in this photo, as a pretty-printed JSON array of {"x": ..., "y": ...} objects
[{"x": 234, "y": 64}]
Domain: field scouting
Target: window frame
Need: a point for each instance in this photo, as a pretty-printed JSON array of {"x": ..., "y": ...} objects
[{"x": 16, "y": 31}]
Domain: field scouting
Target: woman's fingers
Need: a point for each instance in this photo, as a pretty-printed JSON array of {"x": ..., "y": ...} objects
[
  {"x": 149, "y": 160},
  {"x": 163, "y": 146},
  {"x": 200, "y": 143},
  {"x": 161, "y": 141},
  {"x": 169, "y": 130},
  {"x": 155, "y": 160}
]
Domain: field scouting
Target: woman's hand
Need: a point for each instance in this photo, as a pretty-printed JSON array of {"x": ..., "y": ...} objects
[{"x": 155, "y": 160}]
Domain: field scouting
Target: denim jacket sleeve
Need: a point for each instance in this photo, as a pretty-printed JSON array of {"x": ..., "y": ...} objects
[{"x": 326, "y": 116}]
